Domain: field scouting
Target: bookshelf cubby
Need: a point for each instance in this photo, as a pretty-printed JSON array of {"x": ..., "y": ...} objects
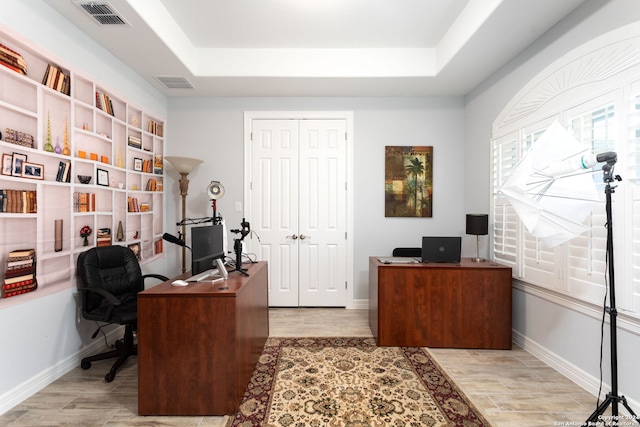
[{"x": 89, "y": 129}]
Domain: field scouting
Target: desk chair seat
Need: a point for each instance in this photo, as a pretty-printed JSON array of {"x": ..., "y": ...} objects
[{"x": 109, "y": 279}]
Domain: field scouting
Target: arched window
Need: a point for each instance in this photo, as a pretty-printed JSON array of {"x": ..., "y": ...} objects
[{"x": 594, "y": 92}]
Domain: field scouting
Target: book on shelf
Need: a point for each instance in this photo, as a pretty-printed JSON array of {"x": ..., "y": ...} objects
[
  {"x": 134, "y": 141},
  {"x": 56, "y": 79},
  {"x": 64, "y": 171},
  {"x": 18, "y": 201},
  {"x": 132, "y": 204},
  {"x": 84, "y": 202},
  {"x": 20, "y": 273},
  {"x": 104, "y": 103},
  {"x": 155, "y": 128},
  {"x": 12, "y": 60},
  {"x": 158, "y": 246},
  {"x": 145, "y": 207},
  {"x": 103, "y": 237},
  {"x": 157, "y": 164}
]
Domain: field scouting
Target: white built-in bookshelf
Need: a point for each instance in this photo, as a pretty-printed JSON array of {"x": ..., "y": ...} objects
[{"x": 90, "y": 131}]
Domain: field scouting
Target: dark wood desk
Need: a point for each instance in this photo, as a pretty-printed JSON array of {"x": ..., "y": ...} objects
[
  {"x": 198, "y": 345},
  {"x": 466, "y": 305}
]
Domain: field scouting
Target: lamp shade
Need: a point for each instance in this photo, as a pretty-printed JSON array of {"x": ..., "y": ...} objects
[
  {"x": 183, "y": 164},
  {"x": 478, "y": 224}
]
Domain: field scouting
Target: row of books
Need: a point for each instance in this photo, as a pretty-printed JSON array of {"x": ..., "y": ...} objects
[
  {"x": 132, "y": 204},
  {"x": 157, "y": 164},
  {"x": 84, "y": 202},
  {"x": 20, "y": 273},
  {"x": 154, "y": 185},
  {"x": 158, "y": 246},
  {"x": 57, "y": 79},
  {"x": 13, "y": 60},
  {"x": 155, "y": 128},
  {"x": 147, "y": 166},
  {"x": 64, "y": 172},
  {"x": 104, "y": 103},
  {"x": 18, "y": 201},
  {"x": 103, "y": 237}
]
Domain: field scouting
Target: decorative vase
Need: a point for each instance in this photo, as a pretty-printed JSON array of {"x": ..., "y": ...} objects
[
  {"x": 48, "y": 146},
  {"x": 85, "y": 242},
  {"x": 120, "y": 232}
]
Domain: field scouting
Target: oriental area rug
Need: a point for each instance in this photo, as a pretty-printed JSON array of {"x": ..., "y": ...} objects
[{"x": 350, "y": 382}]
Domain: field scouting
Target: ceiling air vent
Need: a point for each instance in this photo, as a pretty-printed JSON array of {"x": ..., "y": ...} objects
[
  {"x": 174, "y": 82},
  {"x": 102, "y": 11}
]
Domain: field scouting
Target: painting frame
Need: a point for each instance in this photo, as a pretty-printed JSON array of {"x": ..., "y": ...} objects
[
  {"x": 7, "y": 164},
  {"x": 17, "y": 161},
  {"x": 32, "y": 170},
  {"x": 102, "y": 177},
  {"x": 408, "y": 181},
  {"x": 137, "y": 164}
]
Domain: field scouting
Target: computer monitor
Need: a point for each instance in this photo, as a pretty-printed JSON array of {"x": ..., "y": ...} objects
[{"x": 206, "y": 247}]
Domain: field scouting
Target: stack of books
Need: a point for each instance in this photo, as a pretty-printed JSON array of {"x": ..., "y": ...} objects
[
  {"x": 13, "y": 60},
  {"x": 18, "y": 201},
  {"x": 57, "y": 79},
  {"x": 20, "y": 273},
  {"x": 158, "y": 246},
  {"x": 157, "y": 164},
  {"x": 64, "y": 171},
  {"x": 104, "y": 237},
  {"x": 135, "y": 142}
]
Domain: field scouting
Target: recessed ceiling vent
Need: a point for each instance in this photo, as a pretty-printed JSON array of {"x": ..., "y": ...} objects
[
  {"x": 174, "y": 82},
  {"x": 103, "y": 12}
]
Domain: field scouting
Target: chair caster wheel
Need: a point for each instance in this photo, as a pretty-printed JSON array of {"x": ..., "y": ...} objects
[
  {"x": 85, "y": 365},
  {"x": 109, "y": 377}
]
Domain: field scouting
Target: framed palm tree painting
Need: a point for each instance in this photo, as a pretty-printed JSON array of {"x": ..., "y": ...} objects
[{"x": 408, "y": 181}]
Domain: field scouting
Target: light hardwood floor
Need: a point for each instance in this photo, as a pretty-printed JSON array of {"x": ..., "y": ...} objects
[{"x": 511, "y": 388}]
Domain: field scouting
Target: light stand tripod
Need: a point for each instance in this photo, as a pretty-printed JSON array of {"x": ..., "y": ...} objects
[{"x": 612, "y": 398}]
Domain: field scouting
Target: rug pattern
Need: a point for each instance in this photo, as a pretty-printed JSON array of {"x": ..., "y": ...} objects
[{"x": 350, "y": 382}]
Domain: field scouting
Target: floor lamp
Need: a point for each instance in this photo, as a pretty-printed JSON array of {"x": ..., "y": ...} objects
[
  {"x": 478, "y": 225},
  {"x": 184, "y": 166}
]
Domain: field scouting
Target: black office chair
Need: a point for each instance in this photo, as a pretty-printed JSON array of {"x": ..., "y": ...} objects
[
  {"x": 109, "y": 279},
  {"x": 408, "y": 252}
]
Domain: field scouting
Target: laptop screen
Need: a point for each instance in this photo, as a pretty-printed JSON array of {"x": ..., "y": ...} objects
[{"x": 441, "y": 249}]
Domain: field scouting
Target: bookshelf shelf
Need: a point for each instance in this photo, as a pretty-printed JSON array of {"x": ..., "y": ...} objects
[{"x": 83, "y": 129}]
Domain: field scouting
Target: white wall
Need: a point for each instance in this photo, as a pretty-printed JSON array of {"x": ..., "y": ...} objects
[
  {"x": 41, "y": 338},
  {"x": 569, "y": 338},
  {"x": 212, "y": 129}
]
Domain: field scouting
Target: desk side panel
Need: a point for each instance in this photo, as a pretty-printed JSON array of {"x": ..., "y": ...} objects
[{"x": 186, "y": 356}]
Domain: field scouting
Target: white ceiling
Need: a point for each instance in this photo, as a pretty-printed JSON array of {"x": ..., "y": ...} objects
[{"x": 319, "y": 47}]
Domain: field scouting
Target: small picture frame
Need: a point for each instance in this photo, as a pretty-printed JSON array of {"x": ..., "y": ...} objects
[
  {"x": 137, "y": 164},
  {"x": 7, "y": 164},
  {"x": 16, "y": 164},
  {"x": 103, "y": 177},
  {"x": 32, "y": 170},
  {"x": 135, "y": 248}
]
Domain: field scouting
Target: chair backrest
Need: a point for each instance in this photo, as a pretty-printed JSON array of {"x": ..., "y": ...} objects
[
  {"x": 410, "y": 252},
  {"x": 112, "y": 268}
]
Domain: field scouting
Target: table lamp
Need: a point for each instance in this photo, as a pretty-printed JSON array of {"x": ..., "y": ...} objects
[
  {"x": 184, "y": 166},
  {"x": 478, "y": 225}
]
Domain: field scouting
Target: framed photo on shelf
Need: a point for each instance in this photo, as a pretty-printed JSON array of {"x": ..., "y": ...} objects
[
  {"x": 135, "y": 248},
  {"x": 137, "y": 164},
  {"x": 103, "y": 177},
  {"x": 7, "y": 164},
  {"x": 16, "y": 164},
  {"x": 32, "y": 170}
]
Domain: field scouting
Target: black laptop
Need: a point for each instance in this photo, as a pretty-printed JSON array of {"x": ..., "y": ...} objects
[{"x": 441, "y": 249}]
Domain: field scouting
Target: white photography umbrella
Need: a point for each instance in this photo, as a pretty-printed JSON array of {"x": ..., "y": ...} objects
[{"x": 548, "y": 190}]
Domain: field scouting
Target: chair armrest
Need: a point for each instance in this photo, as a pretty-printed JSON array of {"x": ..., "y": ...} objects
[
  {"x": 154, "y": 276},
  {"x": 103, "y": 293}
]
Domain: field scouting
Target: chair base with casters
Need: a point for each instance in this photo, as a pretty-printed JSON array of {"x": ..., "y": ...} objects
[
  {"x": 124, "y": 348},
  {"x": 109, "y": 279}
]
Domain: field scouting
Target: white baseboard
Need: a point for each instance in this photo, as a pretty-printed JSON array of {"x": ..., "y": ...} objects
[
  {"x": 30, "y": 387},
  {"x": 572, "y": 372},
  {"x": 360, "y": 304}
]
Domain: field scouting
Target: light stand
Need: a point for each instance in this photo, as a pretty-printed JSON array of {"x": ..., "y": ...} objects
[
  {"x": 184, "y": 166},
  {"x": 612, "y": 398},
  {"x": 478, "y": 225}
]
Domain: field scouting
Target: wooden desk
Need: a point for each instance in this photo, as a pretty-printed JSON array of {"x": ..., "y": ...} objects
[
  {"x": 466, "y": 305},
  {"x": 198, "y": 345}
]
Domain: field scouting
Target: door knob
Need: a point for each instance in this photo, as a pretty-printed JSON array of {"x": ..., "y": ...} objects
[
  {"x": 294, "y": 237},
  {"x": 302, "y": 237}
]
